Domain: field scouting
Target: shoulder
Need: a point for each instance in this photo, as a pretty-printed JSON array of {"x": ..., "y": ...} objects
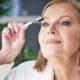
[
  {"x": 26, "y": 64},
  {"x": 22, "y": 71},
  {"x": 23, "y": 68},
  {"x": 26, "y": 71}
]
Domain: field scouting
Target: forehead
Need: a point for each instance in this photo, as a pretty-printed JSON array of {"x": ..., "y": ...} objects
[{"x": 60, "y": 9}]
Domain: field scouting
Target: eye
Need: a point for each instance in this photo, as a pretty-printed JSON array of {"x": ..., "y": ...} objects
[
  {"x": 66, "y": 23},
  {"x": 45, "y": 24}
]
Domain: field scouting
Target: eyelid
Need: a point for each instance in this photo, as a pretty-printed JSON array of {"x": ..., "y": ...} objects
[
  {"x": 45, "y": 24},
  {"x": 65, "y": 19},
  {"x": 43, "y": 21},
  {"x": 66, "y": 23}
]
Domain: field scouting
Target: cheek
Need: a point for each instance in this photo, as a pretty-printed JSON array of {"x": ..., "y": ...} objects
[
  {"x": 73, "y": 38},
  {"x": 71, "y": 42},
  {"x": 41, "y": 37}
]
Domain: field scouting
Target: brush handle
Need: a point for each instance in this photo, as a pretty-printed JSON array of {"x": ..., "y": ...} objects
[{"x": 27, "y": 24}]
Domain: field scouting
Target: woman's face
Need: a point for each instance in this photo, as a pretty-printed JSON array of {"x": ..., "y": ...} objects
[{"x": 59, "y": 35}]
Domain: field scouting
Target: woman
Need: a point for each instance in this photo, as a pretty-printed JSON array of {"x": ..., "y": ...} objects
[{"x": 59, "y": 39}]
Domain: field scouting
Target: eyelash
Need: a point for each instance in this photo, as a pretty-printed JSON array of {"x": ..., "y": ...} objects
[
  {"x": 45, "y": 24},
  {"x": 65, "y": 23}
]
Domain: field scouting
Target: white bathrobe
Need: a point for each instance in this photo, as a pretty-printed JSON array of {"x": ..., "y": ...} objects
[{"x": 25, "y": 71}]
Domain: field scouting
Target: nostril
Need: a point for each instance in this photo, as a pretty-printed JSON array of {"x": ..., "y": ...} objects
[{"x": 52, "y": 32}]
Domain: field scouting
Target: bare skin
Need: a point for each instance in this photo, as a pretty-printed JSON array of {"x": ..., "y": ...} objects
[
  {"x": 60, "y": 31},
  {"x": 13, "y": 39}
]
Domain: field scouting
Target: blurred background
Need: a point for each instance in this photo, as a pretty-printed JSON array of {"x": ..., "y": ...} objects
[{"x": 23, "y": 11}]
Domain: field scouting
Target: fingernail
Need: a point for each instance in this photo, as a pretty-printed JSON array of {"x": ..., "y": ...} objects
[{"x": 16, "y": 30}]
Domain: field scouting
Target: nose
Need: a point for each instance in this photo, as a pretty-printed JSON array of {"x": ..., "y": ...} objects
[{"x": 52, "y": 29}]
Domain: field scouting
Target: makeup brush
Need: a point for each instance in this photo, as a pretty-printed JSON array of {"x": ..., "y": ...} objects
[{"x": 31, "y": 22}]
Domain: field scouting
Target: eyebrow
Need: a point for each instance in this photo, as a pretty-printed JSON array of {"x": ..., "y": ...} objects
[
  {"x": 66, "y": 16},
  {"x": 44, "y": 18},
  {"x": 60, "y": 17}
]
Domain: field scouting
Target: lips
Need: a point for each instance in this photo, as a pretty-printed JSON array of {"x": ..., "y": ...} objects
[{"x": 53, "y": 41}]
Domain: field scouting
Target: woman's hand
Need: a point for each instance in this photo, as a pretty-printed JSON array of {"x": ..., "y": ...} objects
[{"x": 13, "y": 39}]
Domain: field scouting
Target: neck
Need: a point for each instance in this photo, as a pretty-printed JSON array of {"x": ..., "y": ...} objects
[{"x": 64, "y": 67}]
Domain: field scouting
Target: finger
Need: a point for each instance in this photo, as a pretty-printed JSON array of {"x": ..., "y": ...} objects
[
  {"x": 10, "y": 26},
  {"x": 6, "y": 32},
  {"x": 15, "y": 26},
  {"x": 6, "y": 36},
  {"x": 22, "y": 32}
]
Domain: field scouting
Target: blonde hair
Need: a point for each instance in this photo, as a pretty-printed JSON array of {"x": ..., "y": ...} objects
[
  {"x": 41, "y": 61},
  {"x": 74, "y": 3}
]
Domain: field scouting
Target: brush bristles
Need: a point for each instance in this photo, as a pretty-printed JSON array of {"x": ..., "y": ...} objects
[{"x": 39, "y": 19}]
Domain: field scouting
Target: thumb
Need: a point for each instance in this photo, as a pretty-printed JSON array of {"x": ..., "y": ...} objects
[{"x": 22, "y": 33}]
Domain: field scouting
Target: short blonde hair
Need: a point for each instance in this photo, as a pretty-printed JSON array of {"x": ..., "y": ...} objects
[
  {"x": 41, "y": 61},
  {"x": 74, "y": 3}
]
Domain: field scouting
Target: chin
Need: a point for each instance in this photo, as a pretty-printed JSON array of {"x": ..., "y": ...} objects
[
  {"x": 51, "y": 50},
  {"x": 51, "y": 53}
]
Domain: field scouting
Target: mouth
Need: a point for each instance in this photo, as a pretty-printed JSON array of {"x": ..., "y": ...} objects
[{"x": 53, "y": 41}]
